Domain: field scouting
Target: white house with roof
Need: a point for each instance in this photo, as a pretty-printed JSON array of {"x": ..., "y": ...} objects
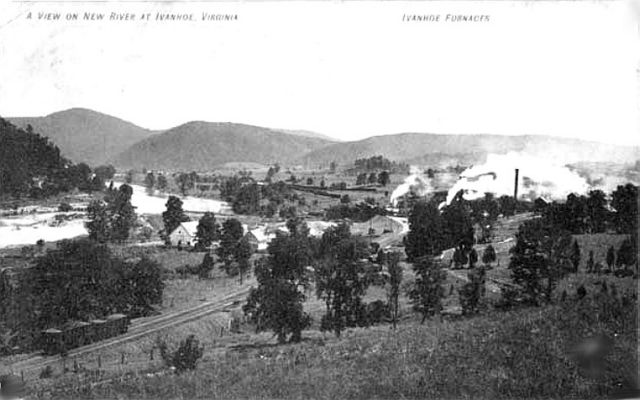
[{"x": 184, "y": 234}]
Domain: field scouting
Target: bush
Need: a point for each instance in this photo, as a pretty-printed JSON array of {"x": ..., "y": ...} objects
[
  {"x": 185, "y": 357},
  {"x": 47, "y": 372}
]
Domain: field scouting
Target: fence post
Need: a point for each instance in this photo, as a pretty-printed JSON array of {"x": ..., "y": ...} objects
[
  {"x": 122, "y": 358},
  {"x": 99, "y": 361}
]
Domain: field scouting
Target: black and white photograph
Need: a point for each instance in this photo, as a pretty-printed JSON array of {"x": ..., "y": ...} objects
[{"x": 313, "y": 199}]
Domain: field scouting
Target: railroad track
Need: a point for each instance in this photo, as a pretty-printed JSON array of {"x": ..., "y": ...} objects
[{"x": 139, "y": 330}]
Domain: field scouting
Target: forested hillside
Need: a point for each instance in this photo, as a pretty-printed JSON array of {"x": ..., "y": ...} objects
[{"x": 30, "y": 165}]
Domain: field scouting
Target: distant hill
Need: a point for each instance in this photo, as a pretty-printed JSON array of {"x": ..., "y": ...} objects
[
  {"x": 301, "y": 132},
  {"x": 436, "y": 149},
  {"x": 85, "y": 135},
  {"x": 204, "y": 145}
]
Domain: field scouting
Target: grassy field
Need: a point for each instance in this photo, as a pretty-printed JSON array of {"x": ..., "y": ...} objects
[{"x": 524, "y": 353}]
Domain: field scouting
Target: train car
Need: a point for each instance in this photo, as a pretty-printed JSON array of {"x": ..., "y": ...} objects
[
  {"x": 117, "y": 324},
  {"x": 97, "y": 330},
  {"x": 75, "y": 334},
  {"x": 79, "y": 333},
  {"x": 52, "y": 342}
]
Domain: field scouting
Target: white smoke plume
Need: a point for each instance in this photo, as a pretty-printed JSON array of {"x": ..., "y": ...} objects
[
  {"x": 415, "y": 183},
  {"x": 538, "y": 178}
]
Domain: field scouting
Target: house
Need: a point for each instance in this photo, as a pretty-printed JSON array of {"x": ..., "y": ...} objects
[
  {"x": 184, "y": 234},
  {"x": 258, "y": 239}
]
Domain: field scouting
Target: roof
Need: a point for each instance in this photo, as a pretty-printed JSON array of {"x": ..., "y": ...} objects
[
  {"x": 190, "y": 227},
  {"x": 259, "y": 235}
]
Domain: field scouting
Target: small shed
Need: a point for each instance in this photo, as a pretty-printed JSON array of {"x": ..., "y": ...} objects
[{"x": 184, "y": 234}]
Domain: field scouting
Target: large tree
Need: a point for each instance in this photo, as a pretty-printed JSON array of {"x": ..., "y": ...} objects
[
  {"x": 394, "y": 269},
  {"x": 341, "y": 279},
  {"x": 112, "y": 218},
  {"x": 122, "y": 213},
  {"x": 277, "y": 303},
  {"x": 425, "y": 231},
  {"x": 207, "y": 231},
  {"x": 540, "y": 257},
  {"x": 427, "y": 292},
  {"x": 232, "y": 232},
  {"x": 173, "y": 216},
  {"x": 625, "y": 202}
]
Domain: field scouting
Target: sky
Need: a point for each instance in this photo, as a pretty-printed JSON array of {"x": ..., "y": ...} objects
[{"x": 346, "y": 69}]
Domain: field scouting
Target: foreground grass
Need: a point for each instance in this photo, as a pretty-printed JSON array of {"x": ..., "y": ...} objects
[{"x": 523, "y": 353}]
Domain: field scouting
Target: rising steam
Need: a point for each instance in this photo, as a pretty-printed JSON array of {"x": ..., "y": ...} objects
[
  {"x": 538, "y": 178},
  {"x": 415, "y": 183}
]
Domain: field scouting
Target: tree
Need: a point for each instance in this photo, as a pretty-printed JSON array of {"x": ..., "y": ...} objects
[
  {"x": 596, "y": 211},
  {"x": 185, "y": 182},
  {"x": 457, "y": 224},
  {"x": 591, "y": 262},
  {"x": 112, "y": 218},
  {"x": 425, "y": 231},
  {"x": 161, "y": 183},
  {"x": 277, "y": 303},
  {"x": 206, "y": 266},
  {"x": 150, "y": 181},
  {"x": 309, "y": 181},
  {"x": 383, "y": 178},
  {"x": 123, "y": 215},
  {"x": 625, "y": 202},
  {"x": 207, "y": 231},
  {"x": 627, "y": 254},
  {"x": 185, "y": 357},
  {"x": 232, "y": 232},
  {"x": 538, "y": 259},
  {"x": 489, "y": 255},
  {"x": 105, "y": 172},
  {"x": 99, "y": 223},
  {"x": 575, "y": 255},
  {"x": 242, "y": 256},
  {"x": 345, "y": 199},
  {"x": 361, "y": 179},
  {"x": 373, "y": 178},
  {"x": 173, "y": 216},
  {"x": 333, "y": 166},
  {"x": 341, "y": 280},
  {"x": 393, "y": 291},
  {"x": 145, "y": 287},
  {"x": 427, "y": 292},
  {"x": 611, "y": 257},
  {"x": 460, "y": 257},
  {"x": 473, "y": 258}
]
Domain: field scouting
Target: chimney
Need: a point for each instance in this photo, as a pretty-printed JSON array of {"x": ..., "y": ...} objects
[{"x": 515, "y": 188}]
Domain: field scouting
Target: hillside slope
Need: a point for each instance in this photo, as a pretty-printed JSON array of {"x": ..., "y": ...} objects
[
  {"x": 84, "y": 135},
  {"x": 203, "y": 145},
  {"x": 422, "y": 148}
]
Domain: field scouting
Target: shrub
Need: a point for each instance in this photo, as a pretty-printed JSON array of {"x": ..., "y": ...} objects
[
  {"x": 47, "y": 372},
  {"x": 185, "y": 357}
]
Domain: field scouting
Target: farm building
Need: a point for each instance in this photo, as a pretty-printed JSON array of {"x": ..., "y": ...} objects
[
  {"x": 258, "y": 239},
  {"x": 184, "y": 234}
]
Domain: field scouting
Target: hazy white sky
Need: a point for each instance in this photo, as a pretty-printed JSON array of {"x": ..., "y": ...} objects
[{"x": 349, "y": 70}]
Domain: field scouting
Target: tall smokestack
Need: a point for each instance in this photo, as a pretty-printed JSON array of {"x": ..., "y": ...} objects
[{"x": 515, "y": 188}]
